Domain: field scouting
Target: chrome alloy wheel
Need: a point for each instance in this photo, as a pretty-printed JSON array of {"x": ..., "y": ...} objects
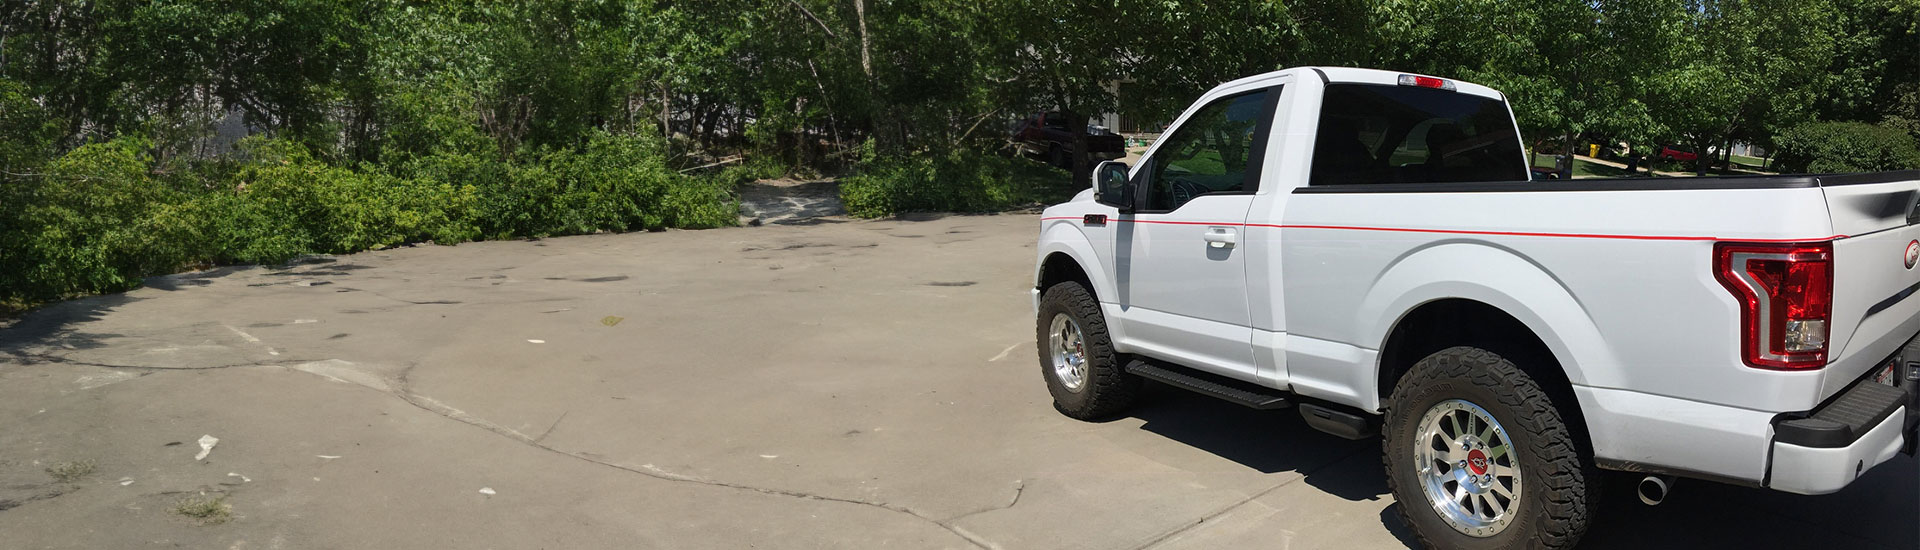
[
  {"x": 1467, "y": 468},
  {"x": 1069, "y": 352}
]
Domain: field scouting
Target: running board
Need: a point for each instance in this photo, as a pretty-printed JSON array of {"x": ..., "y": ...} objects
[{"x": 1224, "y": 388}]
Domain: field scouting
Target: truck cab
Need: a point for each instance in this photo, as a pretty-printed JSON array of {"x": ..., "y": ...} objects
[{"x": 1367, "y": 247}]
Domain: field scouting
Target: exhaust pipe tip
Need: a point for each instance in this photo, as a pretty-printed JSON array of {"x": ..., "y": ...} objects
[{"x": 1654, "y": 489}]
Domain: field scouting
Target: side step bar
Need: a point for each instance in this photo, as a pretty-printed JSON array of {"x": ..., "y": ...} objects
[
  {"x": 1346, "y": 425},
  {"x": 1231, "y": 390},
  {"x": 1323, "y": 418}
]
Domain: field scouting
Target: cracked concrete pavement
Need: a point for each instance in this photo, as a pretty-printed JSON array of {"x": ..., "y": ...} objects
[{"x": 827, "y": 384}]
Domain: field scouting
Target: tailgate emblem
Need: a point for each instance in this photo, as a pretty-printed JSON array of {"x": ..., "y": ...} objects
[{"x": 1913, "y": 253}]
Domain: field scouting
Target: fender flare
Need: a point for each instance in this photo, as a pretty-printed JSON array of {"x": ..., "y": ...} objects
[
  {"x": 1492, "y": 275},
  {"x": 1061, "y": 237}
]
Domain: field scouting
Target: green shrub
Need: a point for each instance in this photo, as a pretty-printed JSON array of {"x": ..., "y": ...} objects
[
  {"x": 283, "y": 202},
  {"x": 960, "y": 181},
  {"x": 98, "y": 219},
  {"x": 1836, "y": 147},
  {"x": 614, "y": 183},
  {"x": 76, "y": 227},
  {"x": 758, "y": 167}
]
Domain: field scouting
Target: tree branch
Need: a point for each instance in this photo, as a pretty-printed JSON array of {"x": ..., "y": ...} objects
[
  {"x": 816, "y": 19},
  {"x": 976, "y": 124}
]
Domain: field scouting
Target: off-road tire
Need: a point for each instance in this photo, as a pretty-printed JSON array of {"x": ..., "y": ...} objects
[
  {"x": 1559, "y": 483},
  {"x": 1109, "y": 389}
]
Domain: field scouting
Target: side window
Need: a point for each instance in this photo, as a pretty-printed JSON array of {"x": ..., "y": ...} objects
[{"x": 1209, "y": 153}]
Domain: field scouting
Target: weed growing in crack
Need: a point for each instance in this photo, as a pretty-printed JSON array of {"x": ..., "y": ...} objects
[
  {"x": 205, "y": 510},
  {"x": 68, "y": 472}
]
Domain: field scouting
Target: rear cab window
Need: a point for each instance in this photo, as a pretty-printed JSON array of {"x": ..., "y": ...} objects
[{"x": 1381, "y": 133}]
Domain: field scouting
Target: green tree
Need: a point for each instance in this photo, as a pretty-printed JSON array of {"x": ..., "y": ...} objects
[
  {"x": 1059, "y": 55},
  {"x": 1875, "y": 68},
  {"x": 1745, "y": 69}
]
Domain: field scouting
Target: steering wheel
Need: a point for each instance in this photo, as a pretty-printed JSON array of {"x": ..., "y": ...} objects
[{"x": 1184, "y": 190}]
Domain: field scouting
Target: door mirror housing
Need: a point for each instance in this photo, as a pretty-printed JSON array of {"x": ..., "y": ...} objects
[{"x": 1111, "y": 186}]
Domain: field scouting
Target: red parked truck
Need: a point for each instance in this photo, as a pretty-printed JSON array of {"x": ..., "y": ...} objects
[{"x": 1048, "y": 136}]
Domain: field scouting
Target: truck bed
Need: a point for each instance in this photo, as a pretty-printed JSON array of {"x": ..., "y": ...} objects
[
  {"x": 1790, "y": 181},
  {"x": 1633, "y": 257}
]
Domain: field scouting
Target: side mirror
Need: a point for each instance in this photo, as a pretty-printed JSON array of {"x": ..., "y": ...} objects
[{"x": 1111, "y": 186}]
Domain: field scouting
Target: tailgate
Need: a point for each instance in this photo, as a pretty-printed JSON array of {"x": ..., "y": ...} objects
[{"x": 1874, "y": 281}]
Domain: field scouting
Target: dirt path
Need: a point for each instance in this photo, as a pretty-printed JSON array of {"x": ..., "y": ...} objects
[{"x": 786, "y": 201}]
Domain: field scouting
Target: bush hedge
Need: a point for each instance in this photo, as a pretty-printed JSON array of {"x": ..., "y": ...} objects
[
  {"x": 958, "y": 181},
  {"x": 1836, "y": 147},
  {"x": 105, "y": 215}
]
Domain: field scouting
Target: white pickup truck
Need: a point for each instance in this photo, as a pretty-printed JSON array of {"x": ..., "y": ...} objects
[{"x": 1366, "y": 246}]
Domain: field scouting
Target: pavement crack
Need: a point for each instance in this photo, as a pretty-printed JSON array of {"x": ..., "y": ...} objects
[
  {"x": 403, "y": 300},
  {"x": 36, "y": 358},
  {"x": 1188, "y": 526},
  {"x": 1019, "y": 488},
  {"x": 405, "y": 393},
  {"x": 556, "y": 424},
  {"x": 56, "y": 492}
]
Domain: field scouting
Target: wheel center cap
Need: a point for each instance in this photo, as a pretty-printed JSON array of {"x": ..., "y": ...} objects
[{"x": 1477, "y": 462}]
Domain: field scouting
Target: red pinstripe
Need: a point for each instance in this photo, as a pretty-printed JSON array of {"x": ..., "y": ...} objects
[{"x": 1467, "y": 231}]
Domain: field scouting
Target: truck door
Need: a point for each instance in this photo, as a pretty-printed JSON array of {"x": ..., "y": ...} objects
[{"x": 1181, "y": 262}]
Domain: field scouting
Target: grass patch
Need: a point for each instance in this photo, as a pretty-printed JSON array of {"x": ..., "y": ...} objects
[
  {"x": 1756, "y": 163},
  {"x": 69, "y": 472},
  {"x": 1584, "y": 169},
  {"x": 205, "y": 510}
]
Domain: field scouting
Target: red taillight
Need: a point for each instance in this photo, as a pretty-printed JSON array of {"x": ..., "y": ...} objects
[
  {"x": 1786, "y": 300},
  {"x": 1425, "y": 82}
]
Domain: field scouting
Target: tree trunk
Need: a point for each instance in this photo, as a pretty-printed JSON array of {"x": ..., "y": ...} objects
[
  {"x": 1700, "y": 157},
  {"x": 1082, "y": 170},
  {"x": 708, "y": 124},
  {"x": 866, "y": 59},
  {"x": 1565, "y": 163},
  {"x": 666, "y": 114}
]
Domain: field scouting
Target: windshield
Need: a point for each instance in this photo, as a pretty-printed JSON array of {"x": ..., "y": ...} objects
[{"x": 1371, "y": 133}]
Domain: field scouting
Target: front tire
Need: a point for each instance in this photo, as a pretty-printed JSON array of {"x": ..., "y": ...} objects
[
  {"x": 1478, "y": 456},
  {"x": 1086, "y": 377}
]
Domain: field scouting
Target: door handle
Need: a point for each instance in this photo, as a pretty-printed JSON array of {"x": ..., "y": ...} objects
[{"x": 1221, "y": 237}]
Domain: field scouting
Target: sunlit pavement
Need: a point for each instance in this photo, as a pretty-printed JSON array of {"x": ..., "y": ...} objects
[{"x": 828, "y": 384}]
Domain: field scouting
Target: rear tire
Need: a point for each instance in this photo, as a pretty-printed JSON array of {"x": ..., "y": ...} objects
[
  {"x": 1528, "y": 452},
  {"x": 1057, "y": 156},
  {"x": 1087, "y": 378}
]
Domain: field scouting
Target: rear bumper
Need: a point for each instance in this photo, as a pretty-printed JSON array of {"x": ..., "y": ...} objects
[
  {"x": 1813, "y": 452},
  {"x": 1823, "y": 450},
  {"x": 1820, "y": 470}
]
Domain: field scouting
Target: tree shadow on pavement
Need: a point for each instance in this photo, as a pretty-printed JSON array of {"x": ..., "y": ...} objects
[
  {"x": 179, "y": 281},
  {"x": 58, "y": 324}
]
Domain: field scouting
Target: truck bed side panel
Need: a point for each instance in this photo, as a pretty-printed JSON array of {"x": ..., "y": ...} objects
[{"x": 1635, "y": 265}]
